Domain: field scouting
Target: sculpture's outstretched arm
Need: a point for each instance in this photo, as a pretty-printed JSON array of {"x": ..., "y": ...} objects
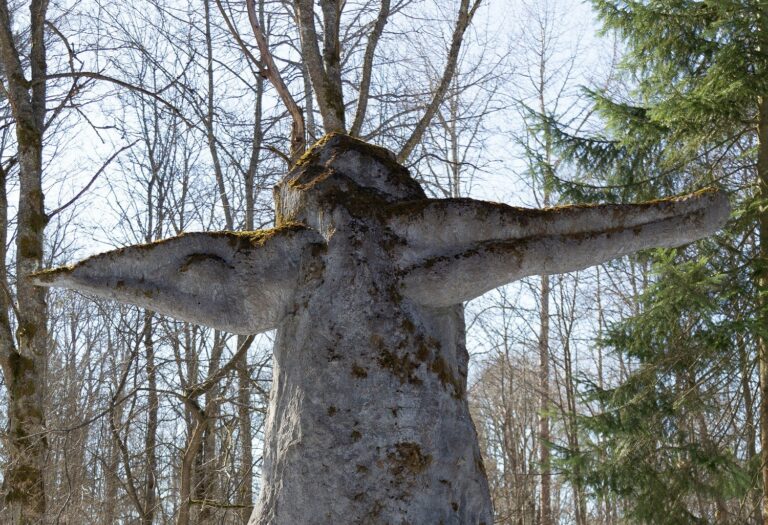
[
  {"x": 235, "y": 281},
  {"x": 438, "y": 226},
  {"x": 479, "y": 246}
]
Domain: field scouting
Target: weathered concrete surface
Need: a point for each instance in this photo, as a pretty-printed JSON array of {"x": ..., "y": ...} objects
[
  {"x": 369, "y": 420},
  {"x": 364, "y": 279},
  {"x": 239, "y": 282}
]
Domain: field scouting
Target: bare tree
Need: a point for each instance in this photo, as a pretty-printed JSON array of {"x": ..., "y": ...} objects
[
  {"x": 504, "y": 402},
  {"x": 546, "y": 74}
]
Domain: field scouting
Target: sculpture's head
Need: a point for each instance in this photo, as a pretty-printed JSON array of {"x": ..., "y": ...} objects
[{"x": 342, "y": 171}]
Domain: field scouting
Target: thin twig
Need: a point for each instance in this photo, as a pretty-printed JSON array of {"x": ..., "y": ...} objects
[{"x": 90, "y": 182}]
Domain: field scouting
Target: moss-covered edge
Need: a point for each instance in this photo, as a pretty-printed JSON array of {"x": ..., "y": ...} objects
[{"x": 240, "y": 240}]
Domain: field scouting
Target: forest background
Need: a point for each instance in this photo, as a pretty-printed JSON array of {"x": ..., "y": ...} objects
[{"x": 625, "y": 393}]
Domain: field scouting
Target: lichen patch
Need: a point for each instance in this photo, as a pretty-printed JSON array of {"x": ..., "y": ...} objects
[{"x": 408, "y": 459}]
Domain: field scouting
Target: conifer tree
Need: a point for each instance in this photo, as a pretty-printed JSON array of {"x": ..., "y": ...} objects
[{"x": 695, "y": 113}]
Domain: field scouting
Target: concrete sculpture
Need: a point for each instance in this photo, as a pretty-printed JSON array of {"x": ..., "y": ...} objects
[{"x": 364, "y": 277}]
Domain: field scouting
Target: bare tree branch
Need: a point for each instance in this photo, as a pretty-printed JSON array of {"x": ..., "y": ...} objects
[
  {"x": 90, "y": 182},
  {"x": 122, "y": 83},
  {"x": 329, "y": 94},
  {"x": 298, "y": 132},
  {"x": 365, "y": 81},
  {"x": 466, "y": 13},
  {"x": 200, "y": 388}
]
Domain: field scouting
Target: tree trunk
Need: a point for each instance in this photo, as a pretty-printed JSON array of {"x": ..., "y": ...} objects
[
  {"x": 367, "y": 68},
  {"x": 111, "y": 470},
  {"x": 761, "y": 266},
  {"x": 191, "y": 451},
  {"x": 545, "y": 516},
  {"x": 579, "y": 498},
  {"x": 245, "y": 490},
  {"x": 206, "y": 490},
  {"x": 761, "y": 274},
  {"x": 24, "y": 366},
  {"x": 150, "y": 438},
  {"x": 245, "y": 494},
  {"x": 750, "y": 436},
  {"x": 209, "y": 119}
]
